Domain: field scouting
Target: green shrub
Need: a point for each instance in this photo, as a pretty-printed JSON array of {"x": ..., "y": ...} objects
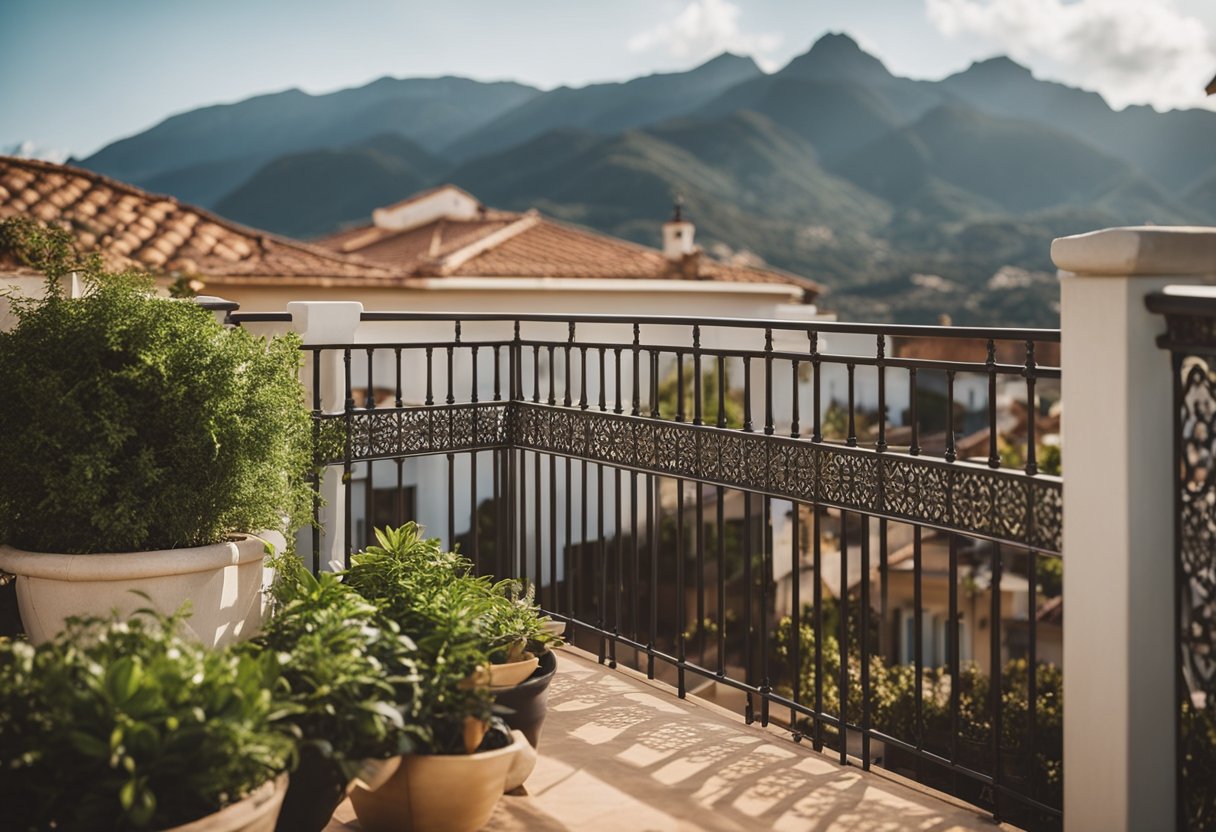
[
  {"x": 460, "y": 623},
  {"x": 126, "y": 726},
  {"x": 350, "y": 676},
  {"x": 423, "y": 588},
  {"x": 893, "y": 696},
  {"x": 410, "y": 580},
  {"x": 134, "y": 422}
]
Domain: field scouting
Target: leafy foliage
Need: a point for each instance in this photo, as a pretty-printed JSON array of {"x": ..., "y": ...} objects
[
  {"x": 350, "y": 675},
  {"x": 835, "y": 424},
  {"x": 135, "y": 422},
  {"x": 126, "y": 726},
  {"x": 893, "y": 698},
  {"x": 1013, "y": 455},
  {"x": 422, "y": 587},
  {"x": 459, "y": 621},
  {"x": 732, "y": 399}
]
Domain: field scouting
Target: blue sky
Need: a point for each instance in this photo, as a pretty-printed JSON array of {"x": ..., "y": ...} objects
[{"x": 76, "y": 74}]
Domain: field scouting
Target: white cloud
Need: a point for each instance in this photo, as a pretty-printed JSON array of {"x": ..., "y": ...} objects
[
  {"x": 1132, "y": 51},
  {"x": 28, "y": 150},
  {"x": 702, "y": 30}
]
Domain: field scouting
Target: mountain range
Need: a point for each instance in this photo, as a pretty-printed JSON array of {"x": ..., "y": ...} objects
[{"x": 909, "y": 199}]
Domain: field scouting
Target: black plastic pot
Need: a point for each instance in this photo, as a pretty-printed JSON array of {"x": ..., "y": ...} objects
[
  {"x": 315, "y": 790},
  {"x": 528, "y": 701}
]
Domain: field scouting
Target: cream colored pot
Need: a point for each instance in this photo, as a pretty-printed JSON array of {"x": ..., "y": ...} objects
[
  {"x": 222, "y": 582},
  {"x": 256, "y": 813},
  {"x": 444, "y": 792},
  {"x": 511, "y": 674}
]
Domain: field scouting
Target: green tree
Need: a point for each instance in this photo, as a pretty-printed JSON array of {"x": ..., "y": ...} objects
[{"x": 732, "y": 399}]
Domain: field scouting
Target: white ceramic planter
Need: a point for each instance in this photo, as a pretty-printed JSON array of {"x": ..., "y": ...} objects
[
  {"x": 222, "y": 582},
  {"x": 444, "y": 792},
  {"x": 256, "y": 813}
]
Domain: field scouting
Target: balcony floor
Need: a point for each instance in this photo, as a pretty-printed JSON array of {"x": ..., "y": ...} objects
[{"x": 620, "y": 752}]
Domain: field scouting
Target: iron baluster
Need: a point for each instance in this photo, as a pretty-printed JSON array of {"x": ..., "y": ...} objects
[{"x": 994, "y": 458}]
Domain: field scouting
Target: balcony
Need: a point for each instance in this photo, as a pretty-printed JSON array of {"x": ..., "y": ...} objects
[
  {"x": 725, "y": 507},
  {"x": 811, "y": 571},
  {"x": 622, "y": 752}
]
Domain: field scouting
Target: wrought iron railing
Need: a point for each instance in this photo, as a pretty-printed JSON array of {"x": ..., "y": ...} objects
[
  {"x": 677, "y": 487},
  {"x": 1190, "y": 337}
]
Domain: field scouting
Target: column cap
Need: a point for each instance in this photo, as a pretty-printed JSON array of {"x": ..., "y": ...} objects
[
  {"x": 325, "y": 321},
  {"x": 1147, "y": 250}
]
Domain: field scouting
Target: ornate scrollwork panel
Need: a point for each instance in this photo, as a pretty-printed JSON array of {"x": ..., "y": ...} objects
[
  {"x": 397, "y": 432},
  {"x": 996, "y": 504},
  {"x": 1002, "y": 505},
  {"x": 1197, "y": 547}
]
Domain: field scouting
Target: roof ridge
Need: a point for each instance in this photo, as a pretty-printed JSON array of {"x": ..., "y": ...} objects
[
  {"x": 455, "y": 259},
  {"x": 707, "y": 257}
]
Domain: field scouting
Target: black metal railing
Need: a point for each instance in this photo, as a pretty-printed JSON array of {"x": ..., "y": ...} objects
[
  {"x": 1190, "y": 337},
  {"x": 676, "y": 488}
]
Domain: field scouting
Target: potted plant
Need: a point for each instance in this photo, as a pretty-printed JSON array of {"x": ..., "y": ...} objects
[
  {"x": 125, "y": 725},
  {"x": 352, "y": 683},
  {"x": 425, "y": 588},
  {"x": 143, "y": 444},
  {"x": 518, "y": 636},
  {"x": 522, "y": 631},
  {"x": 465, "y": 760}
]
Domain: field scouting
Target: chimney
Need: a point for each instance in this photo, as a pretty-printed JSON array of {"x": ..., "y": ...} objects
[{"x": 678, "y": 236}]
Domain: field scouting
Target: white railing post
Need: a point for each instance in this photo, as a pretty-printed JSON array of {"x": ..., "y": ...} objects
[
  {"x": 327, "y": 322},
  {"x": 1119, "y": 469}
]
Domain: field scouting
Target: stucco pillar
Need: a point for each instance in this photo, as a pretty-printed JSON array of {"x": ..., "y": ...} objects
[
  {"x": 327, "y": 322},
  {"x": 1117, "y": 436}
]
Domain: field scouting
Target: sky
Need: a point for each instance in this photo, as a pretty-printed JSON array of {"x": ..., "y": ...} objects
[{"x": 77, "y": 74}]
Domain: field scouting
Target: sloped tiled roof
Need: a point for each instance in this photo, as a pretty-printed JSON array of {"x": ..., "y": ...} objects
[
  {"x": 1046, "y": 353},
  {"x": 135, "y": 229},
  {"x": 505, "y": 244},
  {"x": 433, "y": 240}
]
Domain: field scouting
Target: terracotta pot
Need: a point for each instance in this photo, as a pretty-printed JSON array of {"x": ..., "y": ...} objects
[
  {"x": 375, "y": 773},
  {"x": 222, "y": 582},
  {"x": 444, "y": 792},
  {"x": 512, "y": 673},
  {"x": 256, "y": 813},
  {"x": 529, "y": 700}
]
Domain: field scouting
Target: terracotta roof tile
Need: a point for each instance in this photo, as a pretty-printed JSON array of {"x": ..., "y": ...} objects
[
  {"x": 135, "y": 229},
  {"x": 535, "y": 246},
  {"x": 1047, "y": 354}
]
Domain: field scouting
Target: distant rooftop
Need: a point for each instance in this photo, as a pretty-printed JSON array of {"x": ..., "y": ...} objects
[
  {"x": 442, "y": 232},
  {"x": 445, "y": 231}
]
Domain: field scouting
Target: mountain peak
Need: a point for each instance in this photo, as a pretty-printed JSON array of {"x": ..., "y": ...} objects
[
  {"x": 836, "y": 40},
  {"x": 837, "y": 57},
  {"x": 728, "y": 63},
  {"x": 999, "y": 66}
]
